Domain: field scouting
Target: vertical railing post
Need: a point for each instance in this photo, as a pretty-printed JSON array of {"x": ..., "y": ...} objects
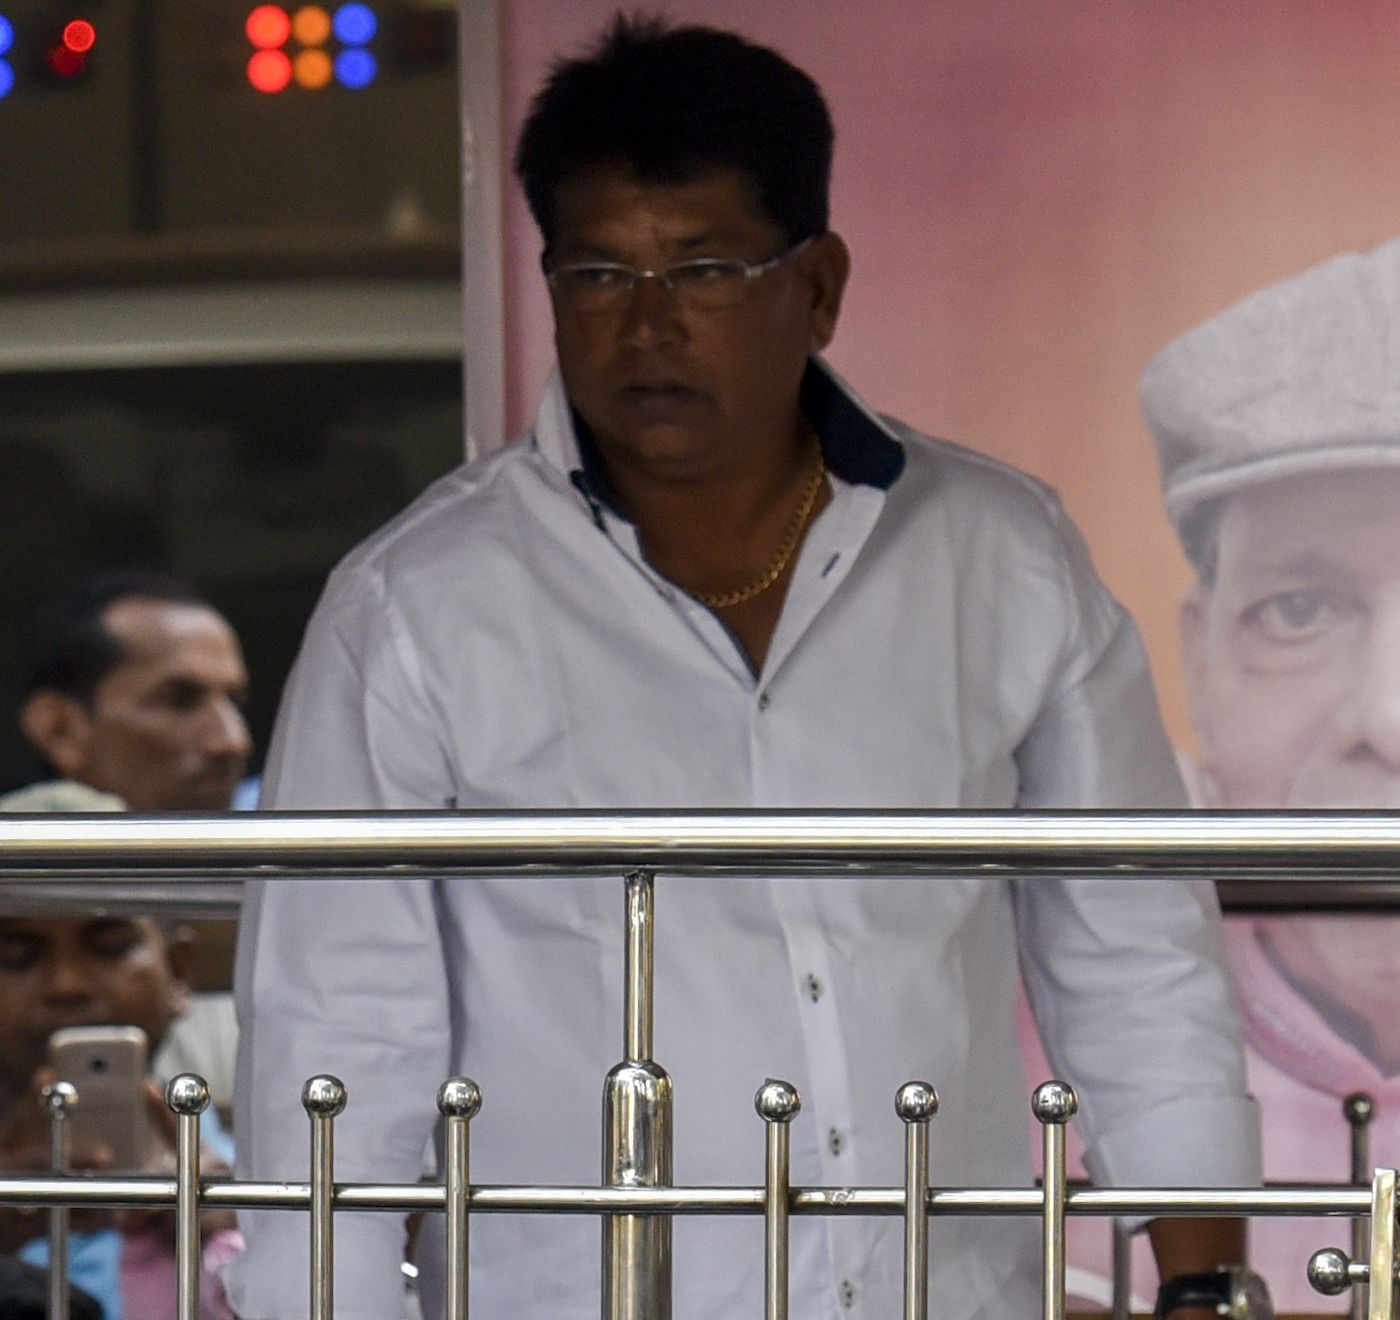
[
  {"x": 459, "y": 1101},
  {"x": 1122, "y": 1251},
  {"x": 323, "y": 1098},
  {"x": 1381, "y": 1274},
  {"x": 637, "y": 1137},
  {"x": 778, "y": 1104},
  {"x": 57, "y": 1099},
  {"x": 188, "y": 1096},
  {"x": 1054, "y": 1104},
  {"x": 916, "y": 1103},
  {"x": 1358, "y": 1109}
]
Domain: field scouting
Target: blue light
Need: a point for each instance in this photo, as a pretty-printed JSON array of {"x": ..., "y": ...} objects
[
  {"x": 7, "y": 35},
  {"x": 7, "y": 79},
  {"x": 356, "y": 68},
  {"x": 354, "y": 24}
]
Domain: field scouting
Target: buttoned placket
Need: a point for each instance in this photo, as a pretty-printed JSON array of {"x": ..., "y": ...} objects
[{"x": 828, "y": 553}]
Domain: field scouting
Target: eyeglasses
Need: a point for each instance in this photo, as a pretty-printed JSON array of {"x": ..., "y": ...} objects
[{"x": 701, "y": 284}]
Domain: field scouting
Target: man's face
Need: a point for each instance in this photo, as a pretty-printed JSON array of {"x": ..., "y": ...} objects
[
  {"x": 78, "y": 971},
  {"x": 685, "y": 394},
  {"x": 165, "y": 729},
  {"x": 1293, "y": 656}
]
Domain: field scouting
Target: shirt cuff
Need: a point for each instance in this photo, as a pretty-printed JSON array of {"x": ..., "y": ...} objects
[{"x": 1192, "y": 1141}]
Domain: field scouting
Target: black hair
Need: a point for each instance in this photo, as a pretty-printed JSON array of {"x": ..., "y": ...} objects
[
  {"x": 74, "y": 650},
  {"x": 669, "y": 103}
]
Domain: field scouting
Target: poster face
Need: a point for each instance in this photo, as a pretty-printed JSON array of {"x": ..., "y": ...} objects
[{"x": 1038, "y": 198}]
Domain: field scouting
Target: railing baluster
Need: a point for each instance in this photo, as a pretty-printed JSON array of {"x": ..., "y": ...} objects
[
  {"x": 916, "y": 1103},
  {"x": 323, "y": 1098},
  {"x": 57, "y": 1099},
  {"x": 188, "y": 1096},
  {"x": 459, "y": 1101},
  {"x": 637, "y": 1138},
  {"x": 1054, "y": 1104},
  {"x": 1358, "y": 1109},
  {"x": 1381, "y": 1275},
  {"x": 778, "y": 1104}
]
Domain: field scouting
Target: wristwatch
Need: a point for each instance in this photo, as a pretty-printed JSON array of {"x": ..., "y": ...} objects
[{"x": 1233, "y": 1292}]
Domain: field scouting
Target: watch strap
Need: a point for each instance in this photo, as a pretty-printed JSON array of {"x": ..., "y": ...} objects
[{"x": 1183, "y": 1290}]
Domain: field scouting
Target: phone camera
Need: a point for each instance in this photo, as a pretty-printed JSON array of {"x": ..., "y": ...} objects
[{"x": 99, "y": 1064}]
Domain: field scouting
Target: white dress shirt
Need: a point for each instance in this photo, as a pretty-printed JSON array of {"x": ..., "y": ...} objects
[{"x": 944, "y": 642}]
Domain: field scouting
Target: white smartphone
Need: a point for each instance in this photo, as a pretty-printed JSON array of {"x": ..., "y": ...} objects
[{"x": 107, "y": 1067}]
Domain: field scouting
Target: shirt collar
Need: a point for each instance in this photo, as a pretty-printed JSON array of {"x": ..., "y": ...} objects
[{"x": 857, "y": 445}]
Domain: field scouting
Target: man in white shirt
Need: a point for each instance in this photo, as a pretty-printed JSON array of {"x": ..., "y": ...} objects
[{"x": 710, "y": 576}]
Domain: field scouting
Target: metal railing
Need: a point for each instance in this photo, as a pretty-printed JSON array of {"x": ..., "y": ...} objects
[{"x": 1350, "y": 859}]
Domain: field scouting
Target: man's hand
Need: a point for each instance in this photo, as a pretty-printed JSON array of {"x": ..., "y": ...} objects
[
  {"x": 165, "y": 1125},
  {"x": 25, "y": 1147},
  {"x": 1196, "y": 1246}
]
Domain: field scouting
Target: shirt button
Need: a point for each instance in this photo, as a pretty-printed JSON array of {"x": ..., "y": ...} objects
[
  {"x": 835, "y": 1142},
  {"x": 815, "y": 989},
  {"x": 848, "y": 1294},
  {"x": 764, "y": 701}
]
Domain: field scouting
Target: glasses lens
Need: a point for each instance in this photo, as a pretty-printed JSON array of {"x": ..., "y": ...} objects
[
  {"x": 708, "y": 282},
  {"x": 593, "y": 288}
]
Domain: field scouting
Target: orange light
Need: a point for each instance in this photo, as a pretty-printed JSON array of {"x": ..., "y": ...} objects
[
  {"x": 311, "y": 25},
  {"x": 79, "y": 36},
  {"x": 269, "y": 70},
  {"x": 268, "y": 26},
  {"x": 313, "y": 69}
]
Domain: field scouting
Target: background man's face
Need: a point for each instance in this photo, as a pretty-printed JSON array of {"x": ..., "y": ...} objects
[
  {"x": 1293, "y": 655},
  {"x": 166, "y": 730},
  {"x": 76, "y": 971}
]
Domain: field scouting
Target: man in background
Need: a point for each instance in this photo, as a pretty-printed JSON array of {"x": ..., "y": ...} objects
[
  {"x": 98, "y": 969},
  {"x": 1278, "y": 429},
  {"x": 136, "y": 688}
]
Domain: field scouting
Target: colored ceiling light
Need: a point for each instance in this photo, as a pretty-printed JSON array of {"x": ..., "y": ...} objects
[
  {"x": 7, "y": 80},
  {"x": 312, "y": 69},
  {"x": 311, "y": 25},
  {"x": 355, "y": 68},
  {"x": 269, "y": 70},
  {"x": 268, "y": 26},
  {"x": 79, "y": 36},
  {"x": 355, "y": 24},
  {"x": 7, "y": 35}
]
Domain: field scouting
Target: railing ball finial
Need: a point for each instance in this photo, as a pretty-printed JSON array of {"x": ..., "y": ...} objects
[
  {"x": 916, "y": 1102},
  {"x": 777, "y": 1101},
  {"x": 459, "y": 1097},
  {"x": 1329, "y": 1271},
  {"x": 58, "y": 1097},
  {"x": 323, "y": 1096},
  {"x": 1359, "y": 1108},
  {"x": 1054, "y": 1102},
  {"x": 187, "y": 1093}
]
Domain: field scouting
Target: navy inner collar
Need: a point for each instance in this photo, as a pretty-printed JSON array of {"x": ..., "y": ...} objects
[{"x": 855, "y": 448}]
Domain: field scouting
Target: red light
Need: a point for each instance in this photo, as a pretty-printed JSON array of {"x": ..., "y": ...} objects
[
  {"x": 65, "y": 63},
  {"x": 79, "y": 36},
  {"x": 269, "y": 70},
  {"x": 268, "y": 26}
]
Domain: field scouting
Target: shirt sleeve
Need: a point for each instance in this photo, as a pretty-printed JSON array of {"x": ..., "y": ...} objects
[
  {"x": 341, "y": 976},
  {"x": 1128, "y": 978}
]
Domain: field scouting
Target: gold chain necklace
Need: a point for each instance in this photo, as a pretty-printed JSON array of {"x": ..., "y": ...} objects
[{"x": 720, "y": 600}]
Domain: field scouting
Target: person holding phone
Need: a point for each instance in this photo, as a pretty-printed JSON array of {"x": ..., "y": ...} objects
[{"x": 77, "y": 977}]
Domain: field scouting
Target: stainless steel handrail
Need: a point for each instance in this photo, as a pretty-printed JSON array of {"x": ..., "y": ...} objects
[{"x": 1275, "y": 853}]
